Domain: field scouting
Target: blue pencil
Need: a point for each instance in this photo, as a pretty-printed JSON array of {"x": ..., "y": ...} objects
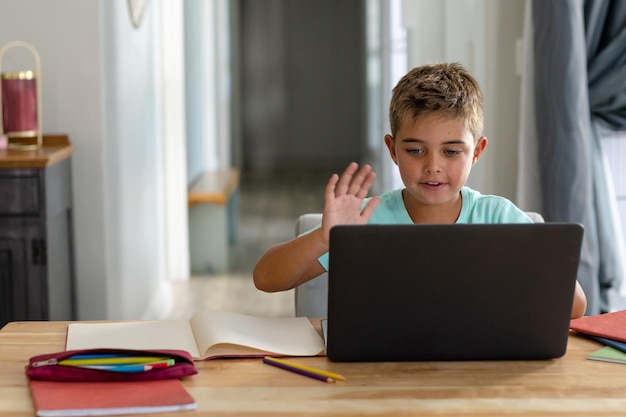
[
  {"x": 120, "y": 368},
  {"x": 99, "y": 355}
]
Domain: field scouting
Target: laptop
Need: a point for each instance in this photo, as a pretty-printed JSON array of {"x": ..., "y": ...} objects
[{"x": 451, "y": 292}]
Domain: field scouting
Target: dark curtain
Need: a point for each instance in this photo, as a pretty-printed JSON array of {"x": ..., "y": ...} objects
[{"x": 580, "y": 81}]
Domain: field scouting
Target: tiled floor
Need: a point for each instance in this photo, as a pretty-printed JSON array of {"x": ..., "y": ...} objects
[{"x": 270, "y": 203}]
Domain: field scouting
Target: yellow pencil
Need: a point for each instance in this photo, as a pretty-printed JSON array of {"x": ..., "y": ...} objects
[
  {"x": 111, "y": 360},
  {"x": 309, "y": 369}
]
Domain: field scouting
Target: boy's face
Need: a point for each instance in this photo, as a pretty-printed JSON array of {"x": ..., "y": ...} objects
[{"x": 435, "y": 157}]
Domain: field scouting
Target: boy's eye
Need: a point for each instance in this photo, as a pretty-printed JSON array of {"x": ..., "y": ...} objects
[
  {"x": 451, "y": 152},
  {"x": 415, "y": 151}
]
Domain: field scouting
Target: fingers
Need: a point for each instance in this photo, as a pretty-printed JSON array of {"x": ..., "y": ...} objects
[
  {"x": 330, "y": 187},
  {"x": 366, "y": 184},
  {"x": 370, "y": 207},
  {"x": 355, "y": 182},
  {"x": 344, "y": 196},
  {"x": 346, "y": 178}
]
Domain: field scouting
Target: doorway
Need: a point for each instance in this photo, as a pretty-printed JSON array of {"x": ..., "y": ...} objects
[{"x": 302, "y": 83}]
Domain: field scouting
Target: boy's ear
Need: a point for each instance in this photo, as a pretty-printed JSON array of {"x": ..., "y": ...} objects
[
  {"x": 479, "y": 148},
  {"x": 391, "y": 145}
]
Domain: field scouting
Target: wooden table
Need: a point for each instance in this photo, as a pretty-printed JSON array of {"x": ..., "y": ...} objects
[{"x": 569, "y": 386}]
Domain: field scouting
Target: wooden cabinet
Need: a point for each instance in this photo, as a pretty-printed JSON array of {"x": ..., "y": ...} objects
[{"x": 36, "y": 238}]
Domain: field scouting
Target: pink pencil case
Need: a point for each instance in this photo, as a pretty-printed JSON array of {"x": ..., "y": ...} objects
[{"x": 46, "y": 367}]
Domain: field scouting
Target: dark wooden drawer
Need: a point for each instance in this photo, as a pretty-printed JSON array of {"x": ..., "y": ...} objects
[
  {"x": 37, "y": 274},
  {"x": 20, "y": 195}
]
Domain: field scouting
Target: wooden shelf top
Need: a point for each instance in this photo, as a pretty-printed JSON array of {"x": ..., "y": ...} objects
[
  {"x": 55, "y": 148},
  {"x": 214, "y": 187}
]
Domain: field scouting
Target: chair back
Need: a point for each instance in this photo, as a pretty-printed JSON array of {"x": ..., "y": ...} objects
[{"x": 311, "y": 298}]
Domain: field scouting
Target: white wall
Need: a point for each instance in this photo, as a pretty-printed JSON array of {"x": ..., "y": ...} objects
[
  {"x": 503, "y": 26},
  {"x": 98, "y": 80},
  {"x": 481, "y": 34}
]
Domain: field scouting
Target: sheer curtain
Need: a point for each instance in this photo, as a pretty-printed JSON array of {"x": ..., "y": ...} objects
[{"x": 578, "y": 81}]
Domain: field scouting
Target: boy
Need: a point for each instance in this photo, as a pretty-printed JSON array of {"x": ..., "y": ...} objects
[{"x": 436, "y": 118}]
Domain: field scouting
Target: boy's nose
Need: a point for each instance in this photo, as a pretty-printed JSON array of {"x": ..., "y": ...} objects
[{"x": 432, "y": 166}]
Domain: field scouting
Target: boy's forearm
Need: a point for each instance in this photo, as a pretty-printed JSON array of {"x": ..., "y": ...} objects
[{"x": 289, "y": 264}]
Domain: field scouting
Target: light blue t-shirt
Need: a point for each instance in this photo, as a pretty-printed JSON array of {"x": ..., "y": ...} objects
[{"x": 476, "y": 208}]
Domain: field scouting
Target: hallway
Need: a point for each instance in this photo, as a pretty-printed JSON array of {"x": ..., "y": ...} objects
[{"x": 270, "y": 203}]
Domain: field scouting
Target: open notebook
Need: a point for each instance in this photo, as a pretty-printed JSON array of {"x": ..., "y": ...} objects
[
  {"x": 207, "y": 335},
  {"x": 451, "y": 292}
]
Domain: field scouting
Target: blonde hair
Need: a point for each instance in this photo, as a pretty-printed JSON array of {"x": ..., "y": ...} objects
[{"x": 445, "y": 90}]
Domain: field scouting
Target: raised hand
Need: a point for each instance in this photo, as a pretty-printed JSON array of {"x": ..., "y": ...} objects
[{"x": 344, "y": 197}]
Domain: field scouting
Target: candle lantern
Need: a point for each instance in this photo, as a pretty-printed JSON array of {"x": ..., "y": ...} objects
[{"x": 20, "y": 106}]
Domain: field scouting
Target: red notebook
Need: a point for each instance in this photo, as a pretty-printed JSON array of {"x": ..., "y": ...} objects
[
  {"x": 109, "y": 398},
  {"x": 608, "y": 325}
]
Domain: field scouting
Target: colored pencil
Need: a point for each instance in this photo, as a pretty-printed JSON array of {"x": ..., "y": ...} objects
[
  {"x": 305, "y": 370},
  {"x": 132, "y": 367},
  {"x": 321, "y": 372},
  {"x": 298, "y": 371},
  {"x": 161, "y": 364},
  {"x": 119, "y": 368},
  {"x": 112, "y": 361},
  {"x": 100, "y": 355}
]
